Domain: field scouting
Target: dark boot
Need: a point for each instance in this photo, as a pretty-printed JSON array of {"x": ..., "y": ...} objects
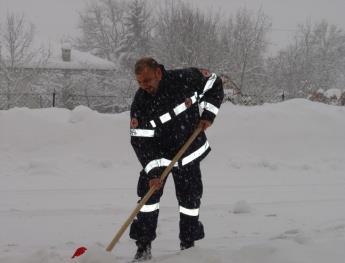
[
  {"x": 186, "y": 244},
  {"x": 143, "y": 252}
]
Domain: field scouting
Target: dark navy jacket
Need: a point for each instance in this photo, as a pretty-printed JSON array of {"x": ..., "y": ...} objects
[{"x": 168, "y": 118}]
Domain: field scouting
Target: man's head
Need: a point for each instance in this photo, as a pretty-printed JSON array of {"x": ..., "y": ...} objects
[{"x": 148, "y": 74}]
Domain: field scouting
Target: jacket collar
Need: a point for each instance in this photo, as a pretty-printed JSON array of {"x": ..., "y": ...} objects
[{"x": 164, "y": 72}]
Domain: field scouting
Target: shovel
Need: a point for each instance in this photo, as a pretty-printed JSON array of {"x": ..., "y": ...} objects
[{"x": 81, "y": 250}]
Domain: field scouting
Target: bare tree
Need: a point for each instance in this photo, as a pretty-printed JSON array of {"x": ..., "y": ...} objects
[
  {"x": 137, "y": 38},
  {"x": 185, "y": 36},
  {"x": 315, "y": 60},
  {"x": 244, "y": 44},
  {"x": 102, "y": 28},
  {"x": 19, "y": 59}
]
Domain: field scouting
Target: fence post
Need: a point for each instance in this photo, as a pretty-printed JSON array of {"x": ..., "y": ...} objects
[
  {"x": 8, "y": 100},
  {"x": 54, "y": 95}
]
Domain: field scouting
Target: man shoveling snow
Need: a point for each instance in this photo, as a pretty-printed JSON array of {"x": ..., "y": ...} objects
[{"x": 164, "y": 113}]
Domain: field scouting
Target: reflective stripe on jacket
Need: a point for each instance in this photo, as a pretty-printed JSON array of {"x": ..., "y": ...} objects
[{"x": 168, "y": 118}]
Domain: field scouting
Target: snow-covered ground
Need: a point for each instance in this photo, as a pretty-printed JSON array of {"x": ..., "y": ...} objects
[{"x": 274, "y": 187}]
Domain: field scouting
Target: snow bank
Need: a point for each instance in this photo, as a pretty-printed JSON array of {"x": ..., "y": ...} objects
[
  {"x": 68, "y": 179},
  {"x": 242, "y": 207},
  {"x": 80, "y": 113}
]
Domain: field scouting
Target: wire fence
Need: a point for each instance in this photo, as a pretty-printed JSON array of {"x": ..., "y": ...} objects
[
  {"x": 100, "y": 103},
  {"x": 115, "y": 104},
  {"x": 108, "y": 103}
]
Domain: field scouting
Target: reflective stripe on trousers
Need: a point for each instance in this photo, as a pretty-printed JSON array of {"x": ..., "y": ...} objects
[
  {"x": 189, "y": 212},
  {"x": 157, "y": 163},
  {"x": 149, "y": 208}
]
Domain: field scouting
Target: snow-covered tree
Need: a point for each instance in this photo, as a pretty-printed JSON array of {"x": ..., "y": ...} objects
[
  {"x": 244, "y": 43},
  {"x": 136, "y": 41},
  {"x": 118, "y": 31},
  {"x": 185, "y": 36},
  {"x": 19, "y": 59},
  {"x": 102, "y": 28},
  {"x": 316, "y": 60}
]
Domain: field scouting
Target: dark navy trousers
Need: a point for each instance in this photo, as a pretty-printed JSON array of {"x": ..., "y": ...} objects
[{"x": 189, "y": 188}]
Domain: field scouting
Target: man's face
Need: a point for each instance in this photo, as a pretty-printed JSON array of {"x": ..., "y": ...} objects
[{"x": 148, "y": 79}]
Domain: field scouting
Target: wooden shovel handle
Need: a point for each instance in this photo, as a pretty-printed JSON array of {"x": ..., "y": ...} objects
[{"x": 152, "y": 190}]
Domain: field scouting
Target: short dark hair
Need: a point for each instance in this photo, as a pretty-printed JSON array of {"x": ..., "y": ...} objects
[{"x": 145, "y": 62}]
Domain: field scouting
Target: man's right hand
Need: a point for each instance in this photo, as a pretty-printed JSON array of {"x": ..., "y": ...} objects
[
  {"x": 156, "y": 183},
  {"x": 204, "y": 124}
]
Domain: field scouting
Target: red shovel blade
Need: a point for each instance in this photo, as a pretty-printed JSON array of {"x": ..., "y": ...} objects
[{"x": 79, "y": 251}]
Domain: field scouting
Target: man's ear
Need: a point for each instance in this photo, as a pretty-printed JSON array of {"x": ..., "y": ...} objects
[{"x": 159, "y": 73}]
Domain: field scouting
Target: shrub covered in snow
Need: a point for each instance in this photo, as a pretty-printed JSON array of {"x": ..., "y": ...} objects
[{"x": 330, "y": 96}]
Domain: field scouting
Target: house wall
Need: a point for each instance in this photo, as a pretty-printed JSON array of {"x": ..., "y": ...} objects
[{"x": 102, "y": 90}]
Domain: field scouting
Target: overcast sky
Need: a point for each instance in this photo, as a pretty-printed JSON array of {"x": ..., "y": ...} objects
[{"x": 57, "y": 18}]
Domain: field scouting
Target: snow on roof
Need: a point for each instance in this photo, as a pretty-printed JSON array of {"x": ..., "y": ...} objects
[
  {"x": 49, "y": 56},
  {"x": 79, "y": 60}
]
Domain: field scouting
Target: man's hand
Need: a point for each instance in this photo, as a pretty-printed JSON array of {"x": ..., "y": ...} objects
[
  {"x": 204, "y": 124},
  {"x": 134, "y": 123},
  {"x": 156, "y": 183}
]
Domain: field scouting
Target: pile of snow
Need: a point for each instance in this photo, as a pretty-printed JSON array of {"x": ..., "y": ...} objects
[
  {"x": 68, "y": 179},
  {"x": 242, "y": 207},
  {"x": 80, "y": 114}
]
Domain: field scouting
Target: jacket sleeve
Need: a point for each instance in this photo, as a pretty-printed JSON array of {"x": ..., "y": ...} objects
[
  {"x": 210, "y": 92},
  {"x": 143, "y": 140}
]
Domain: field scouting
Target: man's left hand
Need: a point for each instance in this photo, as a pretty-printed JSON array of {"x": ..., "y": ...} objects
[
  {"x": 204, "y": 124},
  {"x": 156, "y": 183}
]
